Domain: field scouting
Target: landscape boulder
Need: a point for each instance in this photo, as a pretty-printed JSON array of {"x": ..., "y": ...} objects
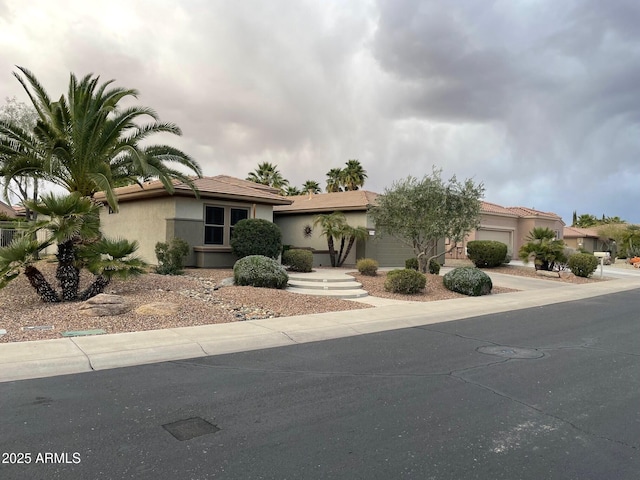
[{"x": 103, "y": 305}]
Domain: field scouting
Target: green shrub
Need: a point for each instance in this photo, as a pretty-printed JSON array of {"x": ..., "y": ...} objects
[
  {"x": 254, "y": 236},
  {"x": 583, "y": 264},
  {"x": 260, "y": 271},
  {"x": 367, "y": 266},
  {"x": 298, "y": 260},
  {"x": 170, "y": 256},
  {"x": 405, "y": 281},
  {"x": 486, "y": 253},
  {"x": 468, "y": 281},
  {"x": 413, "y": 264}
]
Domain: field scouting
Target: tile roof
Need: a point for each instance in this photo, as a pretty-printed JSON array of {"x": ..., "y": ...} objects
[
  {"x": 530, "y": 212},
  {"x": 488, "y": 207},
  {"x": 575, "y": 232},
  {"x": 220, "y": 186},
  {"x": 7, "y": 209},
  {"x": 357, "y": 200}
]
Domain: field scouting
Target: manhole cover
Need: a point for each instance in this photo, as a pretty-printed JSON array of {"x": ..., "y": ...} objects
[
  {"x": 510, "y": 352},
  {"x": 190, "y": 428}
]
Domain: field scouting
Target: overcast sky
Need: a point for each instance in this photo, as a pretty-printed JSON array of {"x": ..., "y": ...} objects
[{"x": 539, "y": 100}]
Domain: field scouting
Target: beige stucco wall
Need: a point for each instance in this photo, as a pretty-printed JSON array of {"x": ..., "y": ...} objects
[
  {"x": 292, "y": 227},
  {"x": 143, "y": 220}
]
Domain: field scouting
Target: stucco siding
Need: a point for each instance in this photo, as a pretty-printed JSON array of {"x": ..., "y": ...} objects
[{"x": 144, "y": 221}]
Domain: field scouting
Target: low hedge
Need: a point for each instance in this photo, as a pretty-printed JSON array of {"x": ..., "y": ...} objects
[
  {"x": 486, "y": 253},
  {"x": 406, "y": 281},
  {"x": 583, "y": 264},
  {"x": 468, "y": 281},
  {"x": 260, "y": 271},
  {"x": 298, "y": 260}
]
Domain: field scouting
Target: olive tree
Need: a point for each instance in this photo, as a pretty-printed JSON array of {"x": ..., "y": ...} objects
[{"x": 420, "y": 212}]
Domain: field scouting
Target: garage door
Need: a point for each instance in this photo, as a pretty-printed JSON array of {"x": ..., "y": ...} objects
[
  {"x": 390, "y": 252},
  {"x": 496, "y": 235}
]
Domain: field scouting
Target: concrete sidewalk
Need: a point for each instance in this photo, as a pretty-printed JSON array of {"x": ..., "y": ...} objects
[{"x": 84, "y": 354}]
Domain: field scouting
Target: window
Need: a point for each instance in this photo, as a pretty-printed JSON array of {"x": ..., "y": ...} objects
[
  {"x": 214, "y": 226},
  {"x": 237, "y": 214},
  {"x": 219, "y": 222}
]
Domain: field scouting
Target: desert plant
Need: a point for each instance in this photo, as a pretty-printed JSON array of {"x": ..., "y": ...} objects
[
  {"x": 405, "y": 281},
  {"x": 414, "y": 264},
  {"x": 170, "y": 256},
  {"x": 298, "y": 260},
  {"x": 486, "y": 253},
  {"x": 411, "y": 263},
  {"x": 335, "y": 228},
  {"x": 255, "y": 236},
  {"x": 260, "y": 271},
  {"x": 583, "y": 264},
  {"x": 543, "y": 248},
  {"x": 367, "y": 266},
  {"x": 468, "y": 281}
]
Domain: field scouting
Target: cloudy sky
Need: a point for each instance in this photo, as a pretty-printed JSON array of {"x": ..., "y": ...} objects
[{"x": 539, "y": 100}]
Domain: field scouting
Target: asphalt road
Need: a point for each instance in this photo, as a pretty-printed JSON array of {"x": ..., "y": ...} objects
[{"x": 446, "y": 401}]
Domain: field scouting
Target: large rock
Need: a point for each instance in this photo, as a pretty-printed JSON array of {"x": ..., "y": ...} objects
[
  {"x": 103, "y": 305},
  {"x": 162, "y": 309},
  {"x": 546, "y": 273}
]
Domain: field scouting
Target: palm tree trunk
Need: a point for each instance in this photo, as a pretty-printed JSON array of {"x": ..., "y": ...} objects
[
  {"x": 40, "y": 284},
  {"x": 346, "y": 254},
  {"x": 67, "y": 273},
  {"x": 332, "y": 250},
  {"x": 340, "y": 259},
  {"x": 98, "y": 286}
]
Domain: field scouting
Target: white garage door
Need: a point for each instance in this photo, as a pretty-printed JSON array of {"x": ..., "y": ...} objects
[{"x": 498, "y": 236}]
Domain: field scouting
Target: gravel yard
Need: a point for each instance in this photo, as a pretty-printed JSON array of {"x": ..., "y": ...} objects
[{"x": 199, "y": 300}]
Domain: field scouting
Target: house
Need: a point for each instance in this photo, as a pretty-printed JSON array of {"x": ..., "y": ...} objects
[
  {"x": 296, "y": 222},
  {"x": 587, "y": 239},
  {"x": 509, "y": 225},
  {"x": 149, "y": 214},
  {"x": 6, "y": 211}
]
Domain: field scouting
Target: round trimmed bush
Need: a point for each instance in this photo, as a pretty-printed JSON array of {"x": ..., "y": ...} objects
[
  {"x": 468, "y": 281},
  {"x": 434, "y": 267},
  {"x": 486, "y": 253},
  {"x": 255, "y": 236},
  {"x": 405, "y": 281},
  {"x": 583, "y": 264},
  {"x": 260, "y": 271},
  {"x": 367, "y": 266},
  {"x": 298, "y": 260}
]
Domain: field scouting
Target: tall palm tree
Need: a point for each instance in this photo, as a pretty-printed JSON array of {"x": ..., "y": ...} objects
[
  {"x": 268, "y": 174},
  {"x": 311, "y": 186},
  {"x": 86, "y": 143},
  {"x": 334, "y": 180},
  {"x": 353, "y": 175},
  {"x": 291, "y": 191}
]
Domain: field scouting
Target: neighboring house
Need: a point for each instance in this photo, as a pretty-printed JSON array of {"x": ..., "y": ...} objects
[
  {"x": 509, "y": 225},
  {"x": 6, "y": 210},
  {"x": 296, "y": 222},
  {"x": 149, "y": 214},
  {"x": 587, "y": 239}
]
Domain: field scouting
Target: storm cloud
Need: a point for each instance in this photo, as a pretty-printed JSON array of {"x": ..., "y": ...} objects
[{"x": 538, "y": 100}]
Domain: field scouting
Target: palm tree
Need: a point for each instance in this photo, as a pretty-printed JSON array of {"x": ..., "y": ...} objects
[
  {"x": 334, "y": 180},
  {"x": 86, "y": 143},
  {"x": 72, "y": 222},
  {"x": 268, "y": 174},
  {"x": 353, "y": 175},
  {"x": 334, "y": 227},
  {"x": 292, "y": 191},
  {"x": 311, "y": 186},
  {"x": 544, "y": 248}
]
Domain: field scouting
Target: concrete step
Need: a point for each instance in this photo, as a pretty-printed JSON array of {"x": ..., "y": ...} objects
[
  {"x": 354, "y": 293},
  {"x": 320, "y": 278},
  {"x": 331, "y": 285}
]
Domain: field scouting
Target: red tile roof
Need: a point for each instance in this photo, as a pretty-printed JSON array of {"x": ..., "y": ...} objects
[
  {"x": 530, "y": 212},
  {"x": 488, "y": 207}
]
